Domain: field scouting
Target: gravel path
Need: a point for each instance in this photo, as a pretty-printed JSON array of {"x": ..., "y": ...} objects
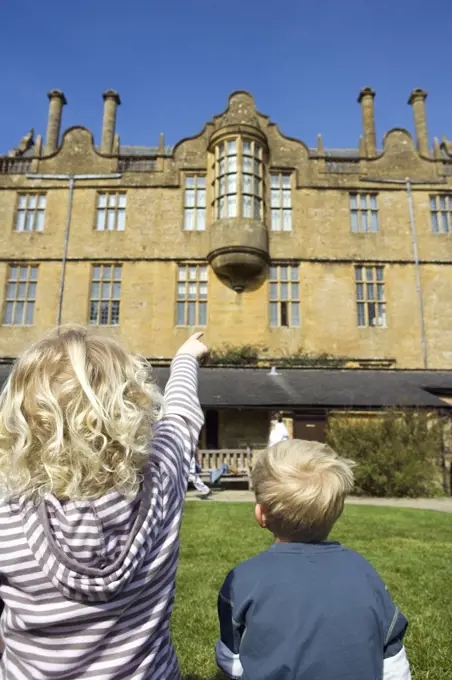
[{"x": 439, "y": 504}]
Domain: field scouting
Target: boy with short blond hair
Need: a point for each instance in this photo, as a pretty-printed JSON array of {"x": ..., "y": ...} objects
[{"x": 307, "y": 608}]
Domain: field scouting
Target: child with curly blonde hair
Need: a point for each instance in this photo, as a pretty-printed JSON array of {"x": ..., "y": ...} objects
[{"x": 94, "y": 464}]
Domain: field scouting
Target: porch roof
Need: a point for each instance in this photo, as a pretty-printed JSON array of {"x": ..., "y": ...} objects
[
  {"x": 316, "y": 388},
  {"x": 289, "y": 388}
]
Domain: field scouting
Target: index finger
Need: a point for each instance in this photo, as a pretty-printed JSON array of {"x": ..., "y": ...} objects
[{"x": 197, "y": 336}]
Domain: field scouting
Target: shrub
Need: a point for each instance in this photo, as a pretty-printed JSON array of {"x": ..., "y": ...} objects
[
  {"x": 243, "y": 355},
  {"x": 397, "y": 453},
  {"x": 300, "y": 358}
]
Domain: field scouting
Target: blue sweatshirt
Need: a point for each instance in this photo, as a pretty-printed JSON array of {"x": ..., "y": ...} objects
[{"x": 302, "y": 611}]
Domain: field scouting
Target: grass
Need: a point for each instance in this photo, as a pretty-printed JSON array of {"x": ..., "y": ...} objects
[{"x": 411, "y": 549}]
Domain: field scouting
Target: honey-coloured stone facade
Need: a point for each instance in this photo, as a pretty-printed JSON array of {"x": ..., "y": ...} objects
[{"x": 238, "y": 249}]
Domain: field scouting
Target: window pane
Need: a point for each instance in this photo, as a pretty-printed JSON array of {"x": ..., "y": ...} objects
[
  {"x": 22, "y": 201},
  {"x": 381, "y": 291},
  {"x": 192, "y": 273},
  {"x": 444, "y": 222},
  {"x": 257, "y": 168},
  {"x": 102, "y": 200},
  {"x": 19, "y": 314},
  {"x": 221, "y": 150},
  {"x": 257, "y": 208},
  {"x": 284, "y": 273},
  {"x": 189, "y": 182},
  {"x": 221, "y": 186},
  {"x": 20, "y": 221},
  {"x": 29, "y": 220},
  {"x": 364, "y": 221},
  {"x": 95, "y": 290},
  {"x": 374, "y": 221},
  {"x": 273, "y": 313},
  {"x": 121, "y": 220},
  {"x": 232, "y": 147},
  {"x": 221, "y": 207},
  {"x": 373, "y": 202},
  {"x": 180, "y": 320},
  {"x": 284, "y": 291},
  {"x": 201, "y": 181},
  {"x": 8, "y": 318},
  {"x": 22, "y": 291},
  {"x": 286, "y": 181},
  {"x": 189, "y": 215},
  {"x": 432, "y": 202},
  {"x": 247, "y": 164},
  {"x": 117, "y": 272},
  {"x": 181, "y": 290},
  {"x": 202, "y": 311},
  {"x": 274, "y": 273},
  {"x": 295, "y": 311},
  {"x": 106, "y": 287},
  {"x": 369, "y": 274},
  {"x": 115, "y": 313},
  {"x": 247, "y": 206},
  {"x": 287, "y": 220},
  {"x": 372, "y": 314},
  {"x": 232, "y": 184},
  {"x": 359, "y": 291},
  {"x": 29, "y": 313},
  {"x": 23, "y": 273},
  {"x": 276, "y": 220},
  {"x": 201, "y": 219},
  {"x": 111, "y": 220},
  {"x": 221, "y": 167},
  {"x": 232, "y": 206},
  {"x": 203, "y": 291},
  {"x": 354, "y": 218},
  {"x": 192, "y": 289},
  {"x": 201, "y": 198},
  {"x": 182, "y": 274},
  {"x": 287, "y": 202},
  {"x": 359, "y": 273},
  {"x": 203, "y": 273},
  {"x": 275, "y": 198},
  {"x": 232, "y": 163},
  {"x": 32, "y": 201},
  {"x": 370, "y": 291},
  {"x": 100, "y": 222},
  {"x": 257, "y": 186},
  {"x": 33, "y": 273},
  {"x": 295, "y": 291},
  {"x": 40, "y": 220},
  {"x": 294, "y": 273},
  {"x": 274, "y": 181},
  {"x": 284, "y": 314},
  {"x": 273, "y": 291},
  {"x": 382, "y": 315},
  {"x": 361, "y": 314},
  {"x": 104, "y": 309},
  {"x": 363, "y": 201},
  {"x": 11, "y": 293},
  {"x": 122, "y": 200},
  {"x": 442, "y": 202},
  {"x": 247, "y": 184},
  {"x": 107, "y": 271},
  {"x": 111, "y": 200},
  {"x": 435, "y": 225},
  {"x": 246, "y": 146},
  {"x": 116, "y": 291},
  {"x": 191, "y": 308},
  {"x": 379, "y": 273},
  {"x": 190, "y": 198}
]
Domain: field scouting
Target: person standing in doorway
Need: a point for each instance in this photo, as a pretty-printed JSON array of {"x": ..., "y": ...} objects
[{"x": 278, "y": 430}]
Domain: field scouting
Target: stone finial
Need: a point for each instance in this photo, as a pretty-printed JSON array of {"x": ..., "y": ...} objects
[
  {"x": 162, "y": 143},
  {"x": 417, "y": 101},
  {"x": 437, "y": 149},
  {"x": 320, "y": 147},
  {"x": 366, "y": 99},
  {"x": 56, "y": 102},
  {"x": 111, "y": 102}
]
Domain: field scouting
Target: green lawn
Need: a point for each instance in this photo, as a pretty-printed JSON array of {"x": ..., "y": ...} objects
[{"x": 411, "y": 549}]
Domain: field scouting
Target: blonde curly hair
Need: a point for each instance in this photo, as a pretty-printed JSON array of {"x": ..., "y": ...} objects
[{"x": 75, "y": 418}]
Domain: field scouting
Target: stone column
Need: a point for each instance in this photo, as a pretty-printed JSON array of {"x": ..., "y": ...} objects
[
  {"x": 57, "y": 101},
  {"x": 366, "y": 99},
  {"x": 111, "y": 102},
  {"x": 417, "y": 101}
]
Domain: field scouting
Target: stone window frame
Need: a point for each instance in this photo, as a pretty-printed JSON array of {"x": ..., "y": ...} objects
[
  {"x": 364, "y": 217},
  {"x": 281, "y": 200},
  {"x": 20, "y": 294},
  {"x": 370, "y": 296},
  {"x": 238, "y": 178},
  {"x": 199, "y": 203},
  {"x": 192, "y": 286},
  {"x": 105, "y": 294},
  {"x": 30, "y": 211},
  {"x": 284, "y": 295},
  {"x": 111, "y": 214},
  {"x": 441, "y": 213}
]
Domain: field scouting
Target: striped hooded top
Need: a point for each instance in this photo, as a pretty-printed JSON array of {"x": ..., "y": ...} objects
[{"x": 88, "y": 586}]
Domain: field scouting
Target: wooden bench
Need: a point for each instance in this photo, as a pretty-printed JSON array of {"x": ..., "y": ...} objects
[{"x": 239, "y": 462}]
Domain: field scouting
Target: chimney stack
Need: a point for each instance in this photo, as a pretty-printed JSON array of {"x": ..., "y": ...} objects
[
  {"x": 57, "y": 101},
  {"x": 111, "y": 103},
  {"x": 417, "y": 101},
  {"x": 366, "y": 99}
]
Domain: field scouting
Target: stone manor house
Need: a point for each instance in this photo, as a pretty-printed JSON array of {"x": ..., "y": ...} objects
[{"x": 252, "y": 236}]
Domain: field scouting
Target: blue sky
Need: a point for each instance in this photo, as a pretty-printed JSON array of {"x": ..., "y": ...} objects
[{"x": 174, "y": 63}]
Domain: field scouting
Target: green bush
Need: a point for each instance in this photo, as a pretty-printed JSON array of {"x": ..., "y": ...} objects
[
  {"x": 243, "y": 355},
  {"x": 301, "y": 358},
  {"x": 397, "y": 453}
]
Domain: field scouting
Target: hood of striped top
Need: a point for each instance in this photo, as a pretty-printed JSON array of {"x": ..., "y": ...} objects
[{"x": 90, "y": 550}]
